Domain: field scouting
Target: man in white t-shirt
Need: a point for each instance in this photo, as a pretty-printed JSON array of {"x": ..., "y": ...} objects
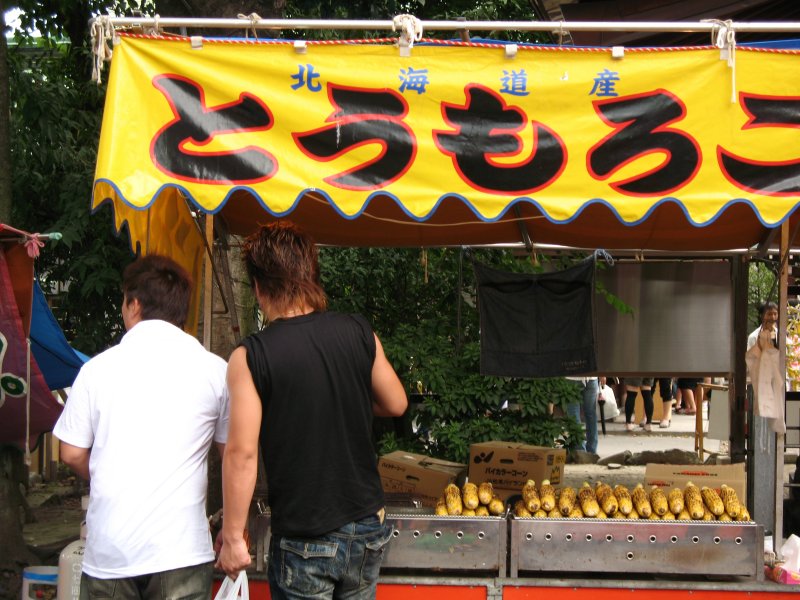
[{"x": 138, "y": 424}]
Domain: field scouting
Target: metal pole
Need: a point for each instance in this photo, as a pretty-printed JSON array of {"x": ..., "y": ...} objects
[
  {"x": 208, "y": 282},
  {"x": 455, "y": 25},
  {"x": 780, "y": 438}
]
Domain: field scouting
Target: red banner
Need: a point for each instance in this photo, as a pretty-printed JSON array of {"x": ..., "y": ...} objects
[{"x": 14, "y": 384}]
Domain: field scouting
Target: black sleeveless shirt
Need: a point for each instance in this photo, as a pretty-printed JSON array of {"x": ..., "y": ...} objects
[{"x": 314, "y": 376}]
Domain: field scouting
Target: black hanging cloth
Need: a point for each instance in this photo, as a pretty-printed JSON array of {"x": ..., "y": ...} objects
[{"x": 537, "y": 325}]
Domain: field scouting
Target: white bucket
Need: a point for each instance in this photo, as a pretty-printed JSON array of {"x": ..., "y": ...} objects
[{"x": 39, "y": 583}]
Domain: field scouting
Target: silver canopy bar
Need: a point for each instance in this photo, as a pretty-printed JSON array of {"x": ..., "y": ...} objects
[{"x": 388, "y": 25}]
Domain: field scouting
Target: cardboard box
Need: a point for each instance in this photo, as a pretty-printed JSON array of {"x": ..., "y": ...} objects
[
  {"x": 421, "y": 477},
  {"x": 709, "y": 475},
  {"x": 508, "y": 465}
]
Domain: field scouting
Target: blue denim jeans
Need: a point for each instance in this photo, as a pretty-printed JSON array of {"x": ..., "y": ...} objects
[
  {"x": 589, "y": 404},
  {"x": 187, "y": 583},
  {"x": 341, "y": 564}
]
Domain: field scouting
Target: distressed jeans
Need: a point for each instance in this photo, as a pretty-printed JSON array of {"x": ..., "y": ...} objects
[
  {"x": 187, "y": 583},
  {"x": 341, "y": 564},
  {"x": 589, "y": 403}
]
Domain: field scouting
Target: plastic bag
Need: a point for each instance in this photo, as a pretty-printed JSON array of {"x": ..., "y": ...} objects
[
  {"x": 791, "y": 553},
  {"x": 610, "y": 408},
  {"x": 233, "y": 589}
]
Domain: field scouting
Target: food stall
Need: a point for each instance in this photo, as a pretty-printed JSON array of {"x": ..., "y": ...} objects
[{"x": 639, "y": 151}]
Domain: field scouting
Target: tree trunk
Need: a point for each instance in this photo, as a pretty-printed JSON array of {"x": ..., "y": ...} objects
[
  {"x": 5, "y": 145},
  {"x": 14, "y": 553}
]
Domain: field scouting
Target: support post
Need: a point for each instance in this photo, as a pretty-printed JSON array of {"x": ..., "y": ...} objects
[
  {"x": 208, "y": 282},
  {"x": 780, "y": 438},
  {"x": 740, "y": 421}
]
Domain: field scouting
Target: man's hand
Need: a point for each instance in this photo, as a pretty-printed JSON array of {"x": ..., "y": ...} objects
[{"x": 234, "y": 555}]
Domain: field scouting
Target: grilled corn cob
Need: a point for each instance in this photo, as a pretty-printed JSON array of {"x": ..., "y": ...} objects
[
  {"x": 730, "y": 500},
  {"x": 641, "y": 502},
  {"x": 482, "y": 511},
  {"x": 521, "y": 511},
  {"x": 693, "y": 501},
  {"x": 588, "y": 501},
  {"x": 469, "y": 495},
  {"x": 658, "y": 501},
  {"x": 668, "y": 516},
  {"x": 744, "y": 514},
  {"x": 623, "y": 497},
  {"x": 468, "y": 512},
  {"x": 452, "y": 496},
  {"x": 712, "y": 500},
  {"x": 675, "y": 501},
  {"x": 606, "y": 499},
  {"x": 547, "y": 496},
  {"x": 531, "y": 496},
  {"x": 496, "y": 506},
  {"x": 724, "y": 517},
  {"x": 540, "y": 514},
  {"x": 441, "y": 507},
  {"x": 654, "y": 516},
  {"x": 708, "y": 515},
  {"x": 575, "y": 513},
  {"x": 485, "y": 492},
  {"x": 632, "y": 515},
  {"x": 566, "y": 500},
  {"x": 684, "y": 515},
  {"x": 554, "y": 514}
]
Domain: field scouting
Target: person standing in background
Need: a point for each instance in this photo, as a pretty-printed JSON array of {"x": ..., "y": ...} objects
[
  {"x": 767, "y": 331},
  {"x": 305, "y": 389},
  {"x": 589, "y": 390},
  {"x": 632, "y": 387},
  {"x": 138, "y": 424},
  {"x": 687, "y": 386},
  {"x": 665, "y": 390}
]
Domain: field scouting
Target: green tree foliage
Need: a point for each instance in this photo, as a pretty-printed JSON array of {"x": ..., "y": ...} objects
[
  {"x": 422, "y": 304},
  {"x": 55, "y": 120}
]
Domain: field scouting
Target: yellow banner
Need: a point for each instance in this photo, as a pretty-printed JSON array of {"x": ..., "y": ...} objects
[{"x": 559, "y": 127}]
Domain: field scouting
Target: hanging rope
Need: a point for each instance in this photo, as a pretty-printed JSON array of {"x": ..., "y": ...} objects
[
  {"x": 410, "y": 30},
  {"x": 254, "y": 19},
  {"x": 723, "y": 36},
  {"x": 28, "y": 407},
  {"x": 601, "y": 254},
  {"x": 32, "y": 241},
  {"x": 102, "y": 30}
]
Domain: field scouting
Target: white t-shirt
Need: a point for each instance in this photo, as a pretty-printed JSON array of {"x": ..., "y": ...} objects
[{"x": 149, "y": 409}]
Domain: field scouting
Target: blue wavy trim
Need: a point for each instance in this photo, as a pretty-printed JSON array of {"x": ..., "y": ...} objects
[{"x": 443, "y": 197}]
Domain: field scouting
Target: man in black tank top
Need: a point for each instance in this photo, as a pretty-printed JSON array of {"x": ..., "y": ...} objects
[{"x": 305, "y": 390}]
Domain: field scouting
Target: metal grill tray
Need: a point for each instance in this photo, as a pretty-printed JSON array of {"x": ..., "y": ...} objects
[
  {"x": 616, "y": 545},
  {"x": 426, "y": 542}
]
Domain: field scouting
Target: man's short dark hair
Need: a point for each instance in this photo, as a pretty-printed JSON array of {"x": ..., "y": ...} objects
[
  {"x": 162, "y": 287},
  {"x": 765, "y": 307}
]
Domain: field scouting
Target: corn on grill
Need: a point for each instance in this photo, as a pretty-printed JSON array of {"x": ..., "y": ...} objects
[{"x": 501, "y": 546}]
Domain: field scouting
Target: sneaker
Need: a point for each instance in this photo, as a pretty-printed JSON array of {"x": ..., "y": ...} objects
[
  {"x": 648, "y": 427},
  {"x": 629, "y": 426},
  {"x": 664, "y": 423}
]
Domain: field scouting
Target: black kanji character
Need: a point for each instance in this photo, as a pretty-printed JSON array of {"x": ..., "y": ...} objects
[
  {"x": 475, "y": 144},
  {"x": 774, "y": 178},
  {"x": 197, "y": 124},
  {"x": 363, "y": 117},
  {"x": 641, "y": 124}
]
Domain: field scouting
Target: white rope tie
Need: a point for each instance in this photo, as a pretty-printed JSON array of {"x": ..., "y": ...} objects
[
  {"x": 28, "y": 408},
  {"x": 254, "y": 19},
  {"x": 723, "y": 36},
  {"x": 156, "y": 28},
  {"x": 102, "y": 30},
  {"x": 410, "y": 31}
]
